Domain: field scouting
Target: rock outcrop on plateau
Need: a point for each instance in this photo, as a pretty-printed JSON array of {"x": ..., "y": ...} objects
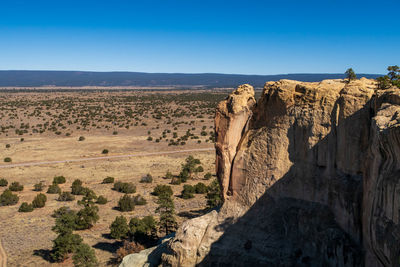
[{"x": 310, "y": 176}]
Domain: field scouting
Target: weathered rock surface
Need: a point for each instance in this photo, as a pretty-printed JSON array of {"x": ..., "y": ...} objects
[
  {"x": 231, "y": 118},
  {"x": 310, "y": 177},
  {"x": 146, "y": 258}
]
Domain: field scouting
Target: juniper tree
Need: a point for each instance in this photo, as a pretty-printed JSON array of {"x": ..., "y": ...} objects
[
  {"x": 166, "y": 208},
  {"x": 350, "y": 74}
]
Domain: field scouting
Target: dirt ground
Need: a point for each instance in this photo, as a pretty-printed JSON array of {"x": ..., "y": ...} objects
[{"x": 27, "y": 237}]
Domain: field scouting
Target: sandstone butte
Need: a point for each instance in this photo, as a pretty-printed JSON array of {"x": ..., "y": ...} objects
[{"x": 310, "y": 177}]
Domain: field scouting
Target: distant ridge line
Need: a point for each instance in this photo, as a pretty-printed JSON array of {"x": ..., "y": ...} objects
[{"x": 38, "y": 78}]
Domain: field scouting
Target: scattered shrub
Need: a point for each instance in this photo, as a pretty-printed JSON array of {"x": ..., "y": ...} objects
[
  {"x": 88, "y": 215},
  {"x": 8, "y": 145},
  {"x": 84, "y": 256},
  {"x": 162, "y": 189},
  {"x": 62, "y": 211},
  {"x": 127, "y": 188},
  {"x": 38, "y": 187},
  {"x": 7, "y": 159},
  {"x": 3, "y": 182},
  {"x": 199, "y": 169},
  {"x": 200, "y": 188},
  {"x": 25, "y": 207},
  {"x": 105, "y": 151},
  {"x": 59, "y": 180},
  {"x": 187, "y": 192},
  {"x": 183, "y": 176},
  {"x": 139, "y": 200},
  {"x": 64, "y": 244},
  {"x": 101, "y": 200},
  {"x": 108, "y": 180},
  {"x": 119, "y": 228},
  {"x": 207, "y": 176},
  {"x": 39, "y": 201},
  {"x": 166, "y": 209},
  {"x": 126, "y": 203},
  {"x": 77, "y": 188},
  {"x": 214, "y": 195},
  {"x": 54, "y": 189},
  {"x": 81, "y": 138},
  {"x": 16, "y": 186},
  {"x": 66, "y": 196},
  {"x": 143, "y": 229},
  {"x": 7, "y": 198},
  {"x": 147, "y": 179}
]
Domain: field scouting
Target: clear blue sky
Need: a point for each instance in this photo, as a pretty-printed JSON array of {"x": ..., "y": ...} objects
[{"x": 195, "y": 36}]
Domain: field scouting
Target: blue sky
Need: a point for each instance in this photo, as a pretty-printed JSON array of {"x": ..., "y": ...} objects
[{"x": 196, "y": 36}]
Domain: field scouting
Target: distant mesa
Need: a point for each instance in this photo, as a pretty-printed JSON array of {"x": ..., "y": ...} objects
[{"x": 23, "y": 78}]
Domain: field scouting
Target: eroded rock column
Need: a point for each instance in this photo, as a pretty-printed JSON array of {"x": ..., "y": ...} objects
[{"x": 232, "y": 116}]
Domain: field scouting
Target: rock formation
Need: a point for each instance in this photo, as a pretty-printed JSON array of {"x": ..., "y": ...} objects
[{"x": 310, "y": 177}]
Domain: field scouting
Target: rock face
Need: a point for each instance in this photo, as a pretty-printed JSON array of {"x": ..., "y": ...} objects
[
  {"x": 231, "y": 119},
  {"x": 310, "y": 176}
]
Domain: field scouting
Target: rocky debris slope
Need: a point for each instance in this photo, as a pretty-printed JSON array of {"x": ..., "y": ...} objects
[{"x": 310, "y": 177}]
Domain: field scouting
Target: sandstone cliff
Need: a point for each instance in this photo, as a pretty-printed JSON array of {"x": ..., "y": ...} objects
[{"x": 310, "y": 177}]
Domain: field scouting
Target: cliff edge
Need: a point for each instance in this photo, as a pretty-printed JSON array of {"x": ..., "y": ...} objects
[{"x": 310, "y": 177}]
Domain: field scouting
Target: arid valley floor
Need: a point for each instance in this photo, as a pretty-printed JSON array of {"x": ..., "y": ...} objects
[{"x": 45, "y": 126}]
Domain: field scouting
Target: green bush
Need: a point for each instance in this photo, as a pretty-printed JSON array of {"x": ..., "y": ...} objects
[
  {"x": 77, "y": 188},
  {"x": 200, "y": 188},
  {"x": 62, "y": 212},
  {"x": 162, "y": 189},
  {"x": 8, "y": 145},
  {"x": 207, "y": 176},
  {"x": 142, "y": 229},
  {"x": 66, "y": 196},
  {"x": 199, "y": 169},
  {"x": 127, "y": 188},
  {"x": 81, "y": 138},
  {"x": 16, "y": 186},
  {"x": 7, "y": 159},
  {"x": 3, "y": 182},
  {"x": 184, "y": 176},
  {"x": 105, "y": 151},
  {"x": 187, "y": 192},
  {"x": 139, "y": 200},
  {"x": 84, "y": 256},
  {"x": 64, "y": 244},
  {"x": 108, "y": 180},
  {"x": 59, "y": 180},
  {"x": 38, "y": 187},
  {"x": 101, "y": 200},
  {"x": 119, "y": 228},
  {"x": 214, "y": 195},
  {"x": 54, "y": 189},
  {"x": 39, "y": 201},
  {"x": 126, "y": 203},
  {"x": 7, "y": 198},
  {"x": 25, "y": 207},
  {"x": 147, "y": 179}
]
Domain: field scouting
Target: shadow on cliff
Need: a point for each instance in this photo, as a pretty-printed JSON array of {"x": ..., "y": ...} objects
[{"x": 312, "y": 215}]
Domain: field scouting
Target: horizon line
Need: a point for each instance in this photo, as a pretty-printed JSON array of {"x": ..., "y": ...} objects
[{"x": 191, "y": 73}]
